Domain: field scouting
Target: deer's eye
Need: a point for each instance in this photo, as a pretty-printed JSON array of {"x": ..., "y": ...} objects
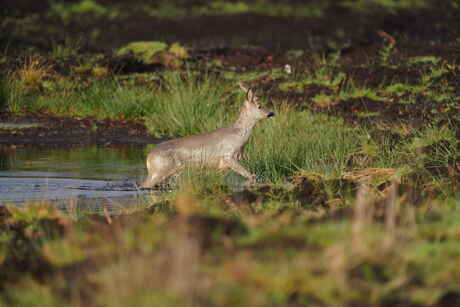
[{"x": 259, "y": 107}]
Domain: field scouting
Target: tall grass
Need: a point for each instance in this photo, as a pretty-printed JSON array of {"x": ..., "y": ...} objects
[
  {"x": 182, "y": 104},
  {"x": 298, "y": 141},
  {"x": 101, "y": 98},
  {"x": 189, "y": 105},
  {"x": 292, "y": 141},
  {"x": 12, "y": 97}
]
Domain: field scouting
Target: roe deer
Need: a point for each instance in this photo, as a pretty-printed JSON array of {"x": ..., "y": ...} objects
[{"x": 221, "y": 148}]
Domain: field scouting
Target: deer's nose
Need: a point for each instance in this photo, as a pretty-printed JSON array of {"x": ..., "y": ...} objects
[{"x": 270, "y": 114}]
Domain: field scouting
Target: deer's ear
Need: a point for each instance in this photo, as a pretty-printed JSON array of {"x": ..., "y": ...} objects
[
  {"x": 250, "y": 96},
  {"x": 249, "y": 93},
  {"x": 244, "y": 88}
]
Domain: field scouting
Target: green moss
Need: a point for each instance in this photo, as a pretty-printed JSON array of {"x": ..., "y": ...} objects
[
  {"x": 145, "y": 50},
  {"x": 238, "y": 7},
  {"x": 179, "y": 51},
  {"x": 78, "y": 10}
]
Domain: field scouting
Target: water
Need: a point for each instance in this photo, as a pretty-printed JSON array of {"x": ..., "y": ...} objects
[{"x": 91, "y": 175}]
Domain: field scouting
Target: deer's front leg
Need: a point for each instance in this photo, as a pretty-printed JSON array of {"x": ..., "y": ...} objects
[{"x": 237, "y": 167}]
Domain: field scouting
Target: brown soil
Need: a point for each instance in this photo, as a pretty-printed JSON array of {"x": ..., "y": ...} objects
[
  {"x": 64, "y": 131},
  {"x": 220, "y": 39}
]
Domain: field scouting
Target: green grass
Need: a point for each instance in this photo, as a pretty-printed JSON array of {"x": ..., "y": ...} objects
[
  {"x": 97, "y": 98},
  {"x": 189, "y": 104},
  {"x": 102, "y": 99},
  {"x": 294, "y": 142}
]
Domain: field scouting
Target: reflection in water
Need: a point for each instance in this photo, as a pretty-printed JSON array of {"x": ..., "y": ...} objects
[
  {"x": 4, "y": 165},
  {"x": 31, "y": 173},
  {"x": 86, "y": 162}
]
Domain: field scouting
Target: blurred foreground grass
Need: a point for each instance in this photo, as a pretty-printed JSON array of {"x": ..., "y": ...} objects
[{"x": 204, "y": 245}]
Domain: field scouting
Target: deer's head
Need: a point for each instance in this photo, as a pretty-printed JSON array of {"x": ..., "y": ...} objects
[{"x": 251, "y": 107}]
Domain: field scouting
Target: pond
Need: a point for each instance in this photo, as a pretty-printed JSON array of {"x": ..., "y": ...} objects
[{"x": 86, "y": 176}]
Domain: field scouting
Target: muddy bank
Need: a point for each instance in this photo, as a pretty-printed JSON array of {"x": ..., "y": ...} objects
[{"x": 49, "y": 130}]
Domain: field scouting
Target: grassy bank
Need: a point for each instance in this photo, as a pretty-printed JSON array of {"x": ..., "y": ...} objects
[{"x": 330, "y": 120}]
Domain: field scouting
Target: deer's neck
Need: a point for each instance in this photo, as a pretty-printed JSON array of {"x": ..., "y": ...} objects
[{"x": 244, "y": 125}]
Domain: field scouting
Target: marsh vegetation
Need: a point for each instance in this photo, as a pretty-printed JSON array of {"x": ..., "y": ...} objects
[{"x": 356, "y": 201}]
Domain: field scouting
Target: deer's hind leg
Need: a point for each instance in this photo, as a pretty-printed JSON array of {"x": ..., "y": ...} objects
[{"x": 159, "y": 169}]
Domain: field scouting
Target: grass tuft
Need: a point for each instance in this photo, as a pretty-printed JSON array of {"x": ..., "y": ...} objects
[
  {"x": 300, "y": 142},
  {"x": 187, "y": 105}
]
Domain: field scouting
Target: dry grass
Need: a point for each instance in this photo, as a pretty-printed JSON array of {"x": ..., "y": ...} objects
[{"x": 33, "y": 72}]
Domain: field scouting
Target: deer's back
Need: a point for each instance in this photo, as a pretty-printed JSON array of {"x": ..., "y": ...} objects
[{"x": 212, "y": 145}]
